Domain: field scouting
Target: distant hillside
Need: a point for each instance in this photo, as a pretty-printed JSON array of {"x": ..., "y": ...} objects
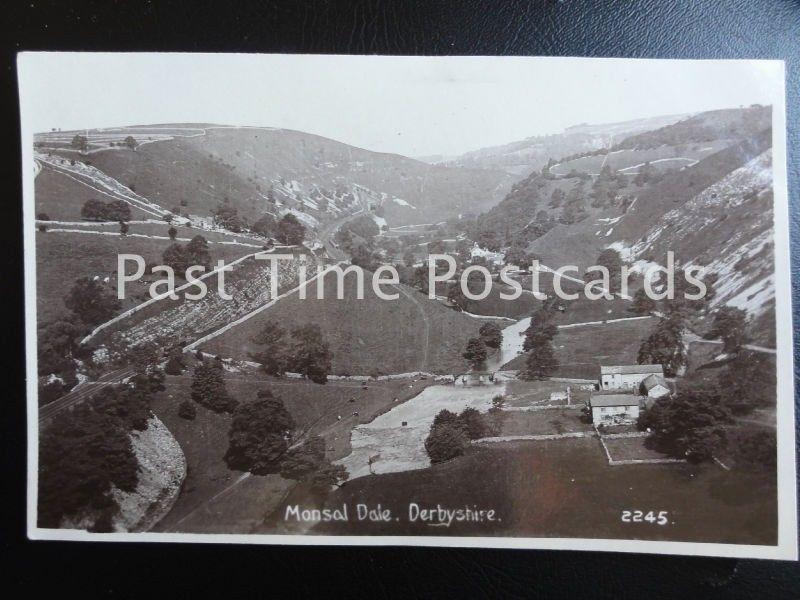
[
  {"x": 523, "y": 157},
  {"x": 192, "y": 169},
  {"x": 713, "y": 209}
]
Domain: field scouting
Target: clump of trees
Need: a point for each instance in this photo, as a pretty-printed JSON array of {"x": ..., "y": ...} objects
[
  {"x": 491, "y": 334},
  {"x": 266, "y": 226},
  {"x": 540, "y": 361},
  {"x": 91, "y": 301},
  {"x": 187, "y": 410},
  {"x": 113, "y": 210},
  {"x": 302, "y": 349},
  {"x": 290, "y": 231},
  {"x": 259, "y": 435},
  {"x": 665, "y": 345},
  {"x": 226, "y": 215},
  {"x": 308, "y": 465},
  {"x": 180, "y": 257},
  {"x": 209, "y": 389},
  {"x": 86, "y": 453},
  {"x": 80, "y": 143},
  {"x": 475, "y": 352},
  {"x": 451, "y": 433},
  {"x": 690, "y": 425}
]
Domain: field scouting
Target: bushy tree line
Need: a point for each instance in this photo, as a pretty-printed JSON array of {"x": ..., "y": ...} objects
[
  {"x": 260, "y": 439},
  {"x": 541, "y": 361},
  {"x": 114, "y": 210},
  {"x": 86, "y": 452},
  {"x": 451, "y": 433},
  {"x": 180, "y": 257},
  {"x": 302, "y": 349}
]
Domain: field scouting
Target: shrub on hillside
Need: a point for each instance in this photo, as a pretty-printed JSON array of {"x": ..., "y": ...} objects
[
  {"x": 187, "y": 410},
  {"x": 491, "y": 334},
  {"x": 85, "y": 454},
  {"x": 259, "y": 435},
  {"x": 209, "y": 390},
  {"x": 91, "y": 302},
  {"x": 447, "y": 438},
  {"x": 473, "y": 423}
]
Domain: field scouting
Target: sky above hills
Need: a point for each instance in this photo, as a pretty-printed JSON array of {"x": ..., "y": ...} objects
[{"x": 407, "y": 105}]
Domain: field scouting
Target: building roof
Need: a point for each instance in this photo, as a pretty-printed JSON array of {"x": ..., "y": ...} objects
[
  {"x": 652, "y": 381},
  {"x": 631, "y": 369},
  {"x": 614, "y": 400}
]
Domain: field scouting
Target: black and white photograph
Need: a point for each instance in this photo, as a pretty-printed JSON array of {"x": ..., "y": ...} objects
[{"x": 496, "y": 302}]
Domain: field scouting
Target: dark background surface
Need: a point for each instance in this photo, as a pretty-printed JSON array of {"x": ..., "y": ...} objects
[{"x": 645, "y": 29}]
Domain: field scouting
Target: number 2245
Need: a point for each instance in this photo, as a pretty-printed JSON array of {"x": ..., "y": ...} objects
[{"x": 639, "y": 516}]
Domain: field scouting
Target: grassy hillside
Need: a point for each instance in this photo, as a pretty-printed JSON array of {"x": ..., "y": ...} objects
[
  {"x": 566, "y": 488},
  {"x": 262, "y": 169},
  {"x": 63, "y": 257},
  {"x": 369, "y": 336},
  {"x": 216, "y": 499},
  {"x": 61, "y": 198}
]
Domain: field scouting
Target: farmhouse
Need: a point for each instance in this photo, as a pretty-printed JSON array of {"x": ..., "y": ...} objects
[
  {"x": 654, "y": 387},
  {"x": 614, "y": 409},
  {"x": 627, "y": 377}
]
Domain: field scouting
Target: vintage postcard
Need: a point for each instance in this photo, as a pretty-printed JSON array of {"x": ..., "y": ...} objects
[{"x": 445, "y": 301}]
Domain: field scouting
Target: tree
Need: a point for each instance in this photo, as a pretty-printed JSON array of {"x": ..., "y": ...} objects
[
  {"x": 748, "y": 382},
  {"x": 58, "y": 345},
  {"x": 208, "y": 387},
  {"x": 540, "y": 362},
  {"x": 754, "y": 449},
  {"x": 266, "y": 226},
  {"x": 131, "y": 142},
  {"x": 93, "y": 210},
  {"x": 274, "y": 355},
  {"x": 642, "y": 303},
  {"x": 541, "y": 328},
  {"x": 307, "y": 464},
  {"x": 291, "y": 231},
  {"x": 83, "y": 455},
  {"x": 187, "y": 410},
  {"x": 91, "y": 302},
  {"x": 611, "y": 260},
  {"x": 445, "y": 441},
  {"x": 364, "y": 258},
  {"x": 259, "y": 435},
  {"x": 472, "y": 422},
  {"x": 310, "y": 354},
  {"x": 475, "y": 352},
  {"x": 226, "y": 215},
  {"x": 117, "y": 210},
  {"x": 175, "y": 364},
  {"x": 730, "y": 324},
  {"x": 80, "y": 143},
  {"x": 456, "y": 296},
  {"x": 491, "y": 334},
  {"x": 172, "y": 233},
  {"x": 689, "y": 425},
  {"x": 42, "y": 216},
  {"x": 123, "y": 228},
  {"x": 408, "y": 258},
  {"x": 175, "y": 256},
  {"x": 665, "y": 346},
  {"x": 197, "y": 252}
]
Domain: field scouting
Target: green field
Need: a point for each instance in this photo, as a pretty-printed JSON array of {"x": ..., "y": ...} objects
[
  {"x": 216, "y": 499},
  {"x": 581, "y": 350},
  {"x": 565, "y": 488},
  {"x": 61, "y": 258},
  {"x": 368, "y": 336},
  {"x": 61, "y": 197}
]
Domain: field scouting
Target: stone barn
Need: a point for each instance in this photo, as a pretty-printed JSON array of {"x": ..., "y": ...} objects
[{"x": 627, "y": 377}]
